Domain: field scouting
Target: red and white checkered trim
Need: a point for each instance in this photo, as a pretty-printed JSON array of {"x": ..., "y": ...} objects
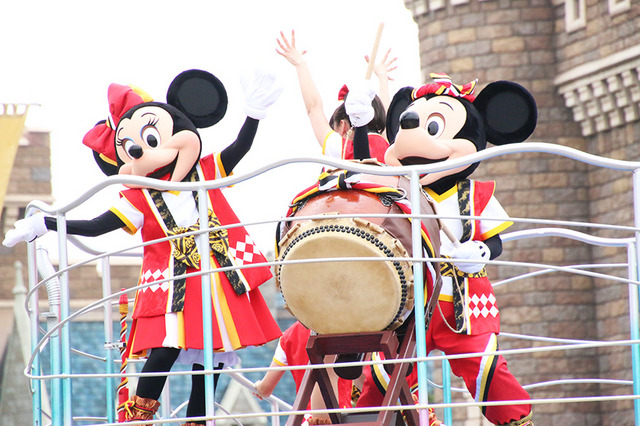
[
  {"x": 150, "y": 276},
  {"x": 244, "y": 251},
  {"x": 483, "y": 305}
]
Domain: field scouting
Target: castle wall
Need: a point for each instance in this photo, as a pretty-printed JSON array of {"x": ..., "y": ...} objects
[{"x": 580, "y": 62}]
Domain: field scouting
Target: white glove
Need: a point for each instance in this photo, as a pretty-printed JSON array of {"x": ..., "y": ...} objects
[
  {"x": 261, "y": 93},
  {"x": 471, "y": 250},
  {"x": 358, "y": 105},
  {"x": 27, "y": 229}
]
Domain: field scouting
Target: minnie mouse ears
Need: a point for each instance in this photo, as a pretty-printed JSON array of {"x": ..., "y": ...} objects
[
  {"x": 509, "y": 111},
  {"x": 200, "y": 96}
]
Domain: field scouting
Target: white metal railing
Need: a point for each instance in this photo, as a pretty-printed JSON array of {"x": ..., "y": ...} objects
[{"x": 56, "y": 337}]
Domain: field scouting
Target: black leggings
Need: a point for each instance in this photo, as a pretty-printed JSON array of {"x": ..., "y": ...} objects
[{"x": 161, "y": 360}]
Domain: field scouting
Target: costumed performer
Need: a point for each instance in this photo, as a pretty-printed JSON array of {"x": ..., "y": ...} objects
[
  {"x": 160, "y": 140},
  {"x": 442, "y": 121}
]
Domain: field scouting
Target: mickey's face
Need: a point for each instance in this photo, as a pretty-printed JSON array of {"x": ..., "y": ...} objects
[
  {"x": 147, "y": 146},
  {"x": 429, "y": 133}
]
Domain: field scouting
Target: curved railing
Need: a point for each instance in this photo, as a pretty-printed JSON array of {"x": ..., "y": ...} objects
[{"x": 56, "y": 335}]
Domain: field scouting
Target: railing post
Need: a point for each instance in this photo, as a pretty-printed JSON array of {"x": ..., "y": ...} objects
[
  {"x": 207, "y": 316},
  {"x": 446, "y": 391},
  {"x": 46, "y": 271},
  {"x": 419, "y": 297},
  {"x": 36, "y": 385},
  {"x": 275, "y": 420},
  {"x": 633, "y": 326},
  {"x": 634, "y": 273},
  {"x": 65, "y": 350},
  {"x": 108, "y": 338}
]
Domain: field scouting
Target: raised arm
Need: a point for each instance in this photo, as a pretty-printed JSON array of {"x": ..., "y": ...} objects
[
  {"x": 360, "y": 111},
  {"x": 232, "y": 154},
  {"x": 310, "y": 95},
  {"x": 260, "y": 94}
]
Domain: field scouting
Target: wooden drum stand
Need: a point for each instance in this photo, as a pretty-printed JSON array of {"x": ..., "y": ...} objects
[{"x": 335, "y": 344}]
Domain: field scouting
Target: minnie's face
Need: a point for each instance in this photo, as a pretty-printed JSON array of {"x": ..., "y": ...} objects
[
  {"x": 427, "y": 134},
  {"x": 145, "y": 143}
]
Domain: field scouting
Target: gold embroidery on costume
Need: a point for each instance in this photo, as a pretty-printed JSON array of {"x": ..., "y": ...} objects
[
  {"x": 448, "y": 269},
  {"x": 464, "y": 204},
  {"x": 185, "y": 250},
  {"x": 184, "y": 247}
]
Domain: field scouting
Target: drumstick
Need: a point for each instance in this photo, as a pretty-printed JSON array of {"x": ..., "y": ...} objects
[
  {"x": 374, "y": 51},
  {"x": 449, "y": 234}
]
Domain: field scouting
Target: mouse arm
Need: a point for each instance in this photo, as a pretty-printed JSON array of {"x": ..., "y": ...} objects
[
  {"x": 495, "y": 246},
  {"x": 99, "y": 225},
  {"x": 232, "y": 154},
  {"x": 360, "y": 111},
  {"x": 37, "y": 225},
  {"x": 361, "y": 143},
  {"x": 260, "y": 94}
]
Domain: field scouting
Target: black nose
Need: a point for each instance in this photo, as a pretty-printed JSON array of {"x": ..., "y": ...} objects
[
  {"x": 135, "y": 151},
  {"x": 409, "y": 120}
]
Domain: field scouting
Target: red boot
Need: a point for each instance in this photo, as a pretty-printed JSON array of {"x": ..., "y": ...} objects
[{"x": 141, "y": 408}]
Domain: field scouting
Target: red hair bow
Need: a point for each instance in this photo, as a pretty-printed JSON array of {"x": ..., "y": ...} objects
[
  {"x": 101, "y": 137},
  {"x": 442, "y": 85},
  {"x": 343, "y": 92}
]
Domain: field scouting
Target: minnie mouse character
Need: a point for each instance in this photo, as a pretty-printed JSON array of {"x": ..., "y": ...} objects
[
  {"x": 160, "y": 140},
  {"x": 442, "y": 121}
]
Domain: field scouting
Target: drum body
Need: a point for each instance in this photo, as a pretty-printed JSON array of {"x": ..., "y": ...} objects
[{"x": 333, "y": 296}]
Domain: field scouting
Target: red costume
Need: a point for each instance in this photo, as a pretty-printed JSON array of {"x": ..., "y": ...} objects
[
  {"x": 338, "y": 147},
  {"x": 239, "y": 320},
  {"x": 376, "y": 380},
  {"x": 476, "y": 319}
]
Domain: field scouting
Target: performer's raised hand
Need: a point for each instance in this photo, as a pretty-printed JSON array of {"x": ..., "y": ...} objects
[
  {"x": 288, "y": 49},
  {"x": 381, "y": 70},
  {"x": 261, "y": 92},
  {"x": 384, "y": 67}
]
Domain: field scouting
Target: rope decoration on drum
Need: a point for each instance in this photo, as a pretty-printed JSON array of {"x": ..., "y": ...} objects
[
  {"x": 344, "y": 179},
  {"x": 370, "y": 238}
]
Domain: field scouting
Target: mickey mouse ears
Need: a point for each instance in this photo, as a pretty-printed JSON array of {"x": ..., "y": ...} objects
[
  {"x": 200, "y": 95},
  {"x": 509, "y": 110}
]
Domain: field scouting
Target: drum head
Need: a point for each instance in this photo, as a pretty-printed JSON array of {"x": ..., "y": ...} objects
[{"x": 332, "y": 296}]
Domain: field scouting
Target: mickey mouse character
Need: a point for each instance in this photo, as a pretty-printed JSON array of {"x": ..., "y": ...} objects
[
  {"x": 441, "y": 121},
  {"x": 160, "y": 140}
]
